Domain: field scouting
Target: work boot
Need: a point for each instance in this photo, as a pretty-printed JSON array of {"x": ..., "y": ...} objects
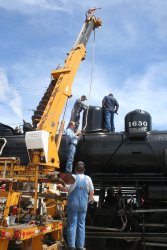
[
  {"x": 80, "y": 249},
  {"x": 71, "y": 248}
]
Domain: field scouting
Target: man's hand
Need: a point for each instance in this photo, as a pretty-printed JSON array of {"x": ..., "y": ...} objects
[
  {"x": 62, "y": 188},
  {"x": 78, "y": 132}
]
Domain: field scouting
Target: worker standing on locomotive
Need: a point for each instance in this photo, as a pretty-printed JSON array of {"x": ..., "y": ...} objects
[
  {"x": 71, "y": 143},
  {"x": 111, "y": 106},
  {"x": 79, "y": 195},
  {"x": 77, "y": 108}
]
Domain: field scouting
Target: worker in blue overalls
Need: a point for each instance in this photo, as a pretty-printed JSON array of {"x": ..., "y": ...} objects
[{"x": 79, "y": 195}]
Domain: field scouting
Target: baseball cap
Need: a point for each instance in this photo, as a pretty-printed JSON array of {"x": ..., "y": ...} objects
[
  {"x": 80, "y": 166},
  {"x": 84, "y": 96}
]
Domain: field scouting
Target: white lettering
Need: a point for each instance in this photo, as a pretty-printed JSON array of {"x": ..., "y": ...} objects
[{"x": 138, "y": 124}]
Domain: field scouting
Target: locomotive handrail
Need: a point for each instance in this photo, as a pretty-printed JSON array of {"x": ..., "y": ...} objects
[{"x": 4, "y": 144}]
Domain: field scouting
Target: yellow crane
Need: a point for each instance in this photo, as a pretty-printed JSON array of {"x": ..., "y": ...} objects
[
  {"x": 43, "y": 154},
  {"x": 46, "y": 117}
]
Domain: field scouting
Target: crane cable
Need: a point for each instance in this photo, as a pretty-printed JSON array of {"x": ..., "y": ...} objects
[
  {"x": 90, "y": 86},
  {"x": 91, "y": 81}
]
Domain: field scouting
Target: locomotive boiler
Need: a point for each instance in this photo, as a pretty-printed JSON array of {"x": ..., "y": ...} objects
[{"x": 138, "y": 149}]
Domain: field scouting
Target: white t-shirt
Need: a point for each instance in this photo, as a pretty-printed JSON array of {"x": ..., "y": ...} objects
[{"x": 90, "y": 186}]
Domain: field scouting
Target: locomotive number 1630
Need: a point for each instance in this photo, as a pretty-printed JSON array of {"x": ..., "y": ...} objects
[{"x": 138, "y": 124}]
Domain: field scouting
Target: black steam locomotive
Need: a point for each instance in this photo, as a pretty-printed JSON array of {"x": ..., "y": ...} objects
[{"x": 129, "y": 172}]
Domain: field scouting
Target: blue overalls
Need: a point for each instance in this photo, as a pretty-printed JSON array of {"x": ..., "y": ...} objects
[{"x": 76, "y": 214}]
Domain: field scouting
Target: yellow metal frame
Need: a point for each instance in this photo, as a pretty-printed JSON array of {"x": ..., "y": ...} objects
[{"x": 24, "y": 232}]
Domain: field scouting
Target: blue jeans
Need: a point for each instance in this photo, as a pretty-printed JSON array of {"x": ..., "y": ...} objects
[
  {"x": 76, "y": 229},
  {"x": 109, "y": 120},
  {"x": 71, "y": 149}
]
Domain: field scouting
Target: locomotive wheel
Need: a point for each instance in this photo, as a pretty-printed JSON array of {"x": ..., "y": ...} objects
[
  {"x": 119, "y": 244},
  {"x": 158, "y": 218},
  {"x": 138, "y": 245},
  {"x": 133, "y": 226},
  {"x": 108, "y": 244}
]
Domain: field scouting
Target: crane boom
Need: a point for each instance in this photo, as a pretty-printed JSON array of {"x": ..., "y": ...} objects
[{"x": 41, "y": 143}]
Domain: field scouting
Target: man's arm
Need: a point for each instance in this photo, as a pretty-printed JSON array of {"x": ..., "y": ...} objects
[
  {"x": 62, "y": 188},
  {"x": 103, "y": 103},
  {"x": 91, "y": 193},
  {"x": 83, "y": 106},
  {"x": 117, "y": 107},
  {"x": 70, "y": 134},
  {"x": 91, "y": 189}
]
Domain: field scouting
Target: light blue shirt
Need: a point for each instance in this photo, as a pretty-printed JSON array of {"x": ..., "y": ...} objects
[{"x": 71, "y": 137}]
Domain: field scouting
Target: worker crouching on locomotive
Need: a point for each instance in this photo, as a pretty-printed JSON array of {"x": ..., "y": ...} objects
[
  {"x": 79, "y": 195},
  {"x": 79, "y": 106}
]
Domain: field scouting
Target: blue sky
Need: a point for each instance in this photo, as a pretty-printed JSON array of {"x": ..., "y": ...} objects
[{"x": 130, "y": 55}]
